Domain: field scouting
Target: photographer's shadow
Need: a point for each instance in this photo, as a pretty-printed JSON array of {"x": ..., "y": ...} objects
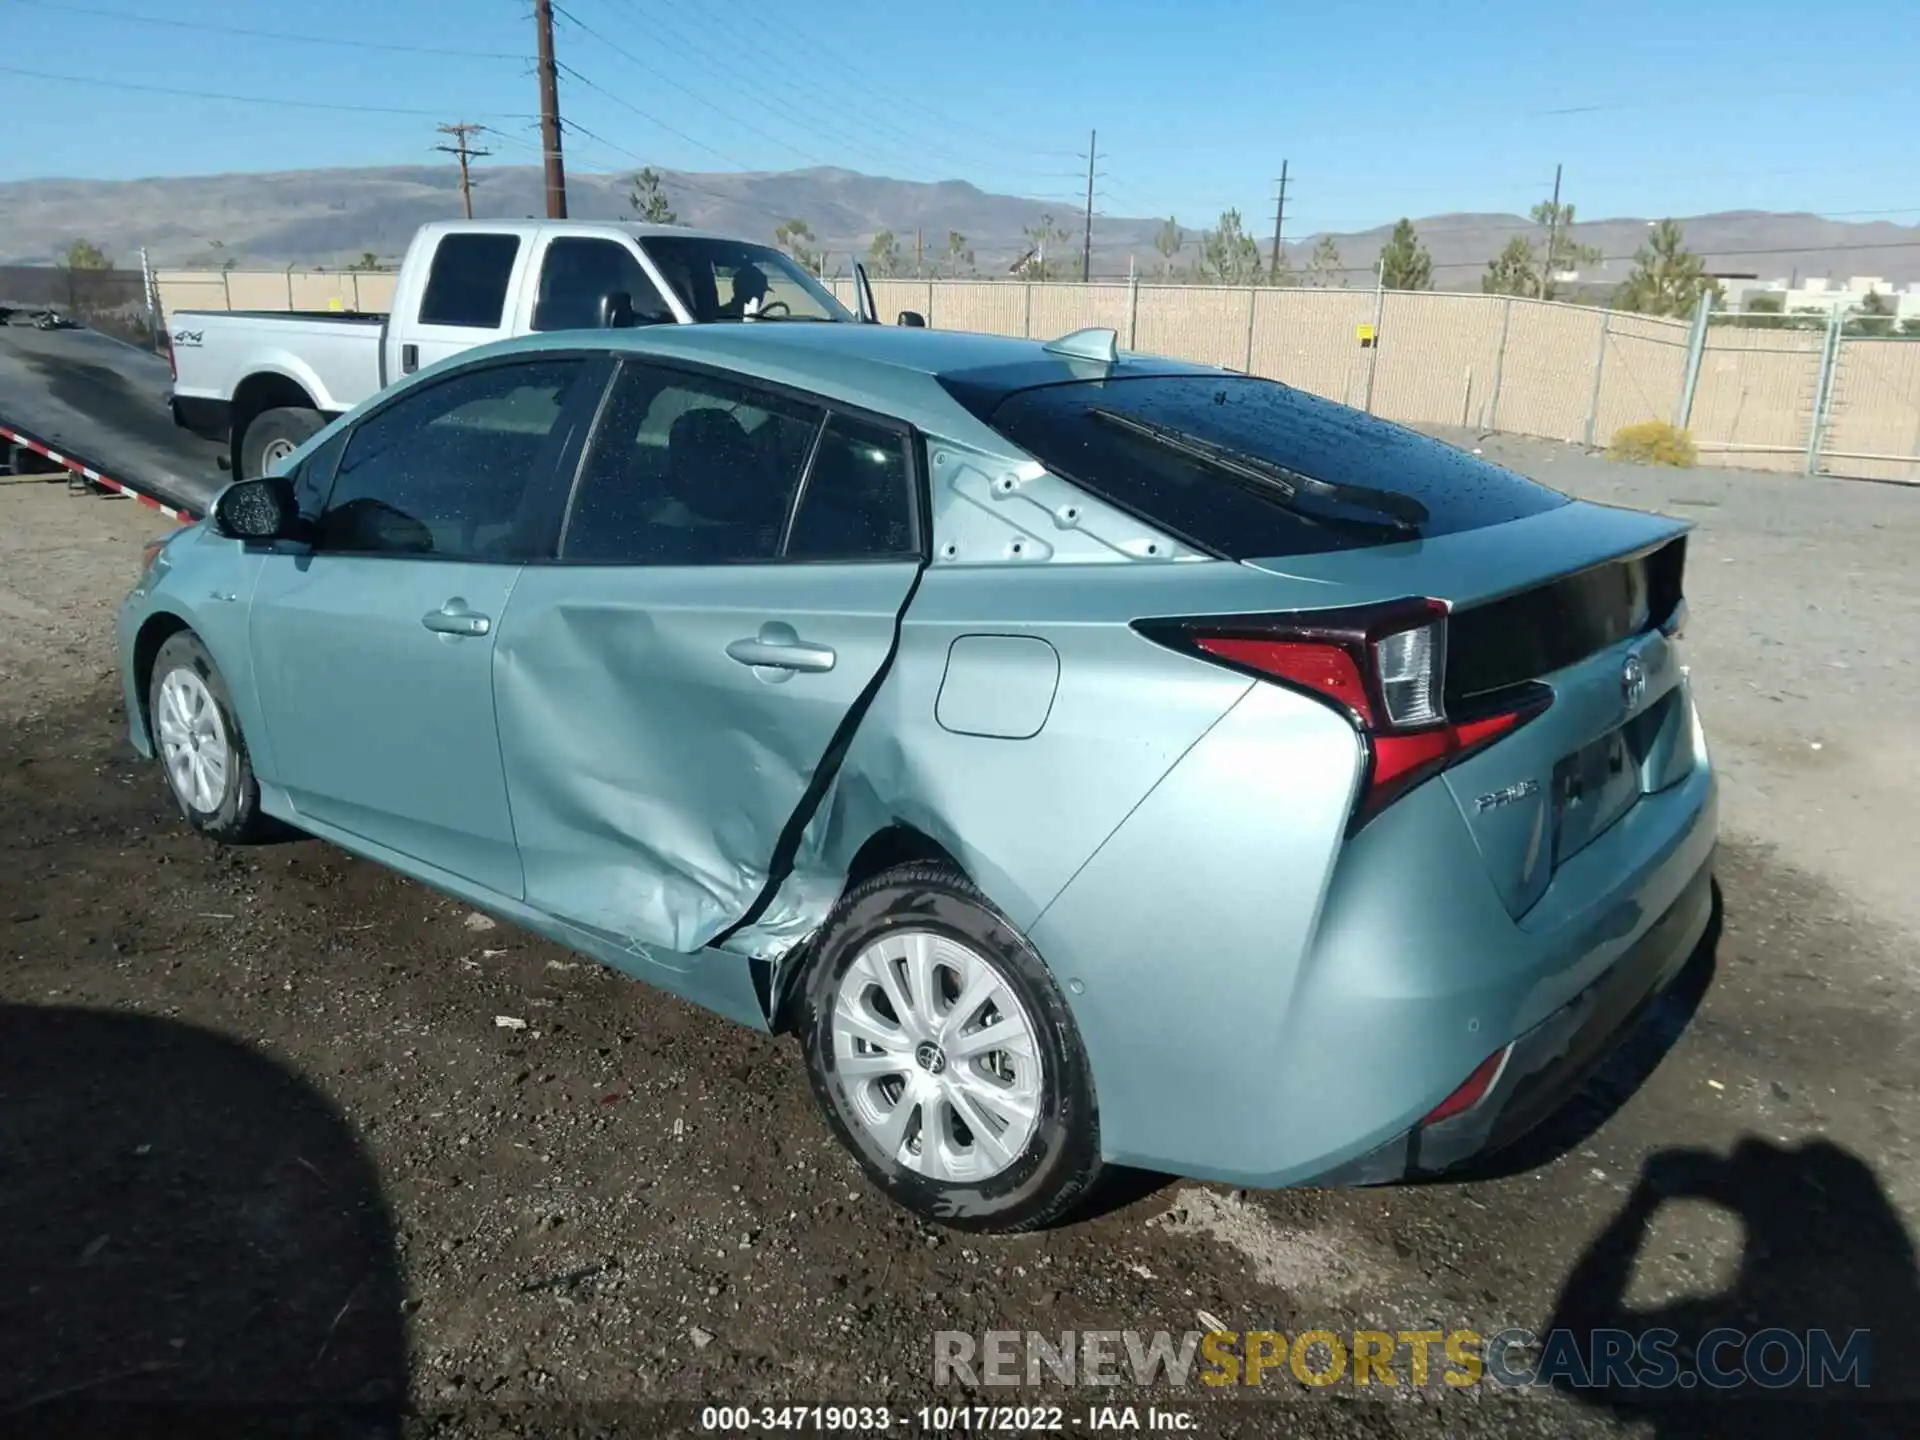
[
  {"x": 184, "y": 1224},
  {"x": 1823, "y": 1250}
]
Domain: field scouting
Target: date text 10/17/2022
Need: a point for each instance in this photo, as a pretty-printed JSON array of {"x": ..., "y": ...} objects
[{"x": 943, "y": 1419}]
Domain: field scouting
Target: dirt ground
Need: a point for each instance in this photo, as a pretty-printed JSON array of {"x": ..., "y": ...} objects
[{"x": 263, "y": 1138}]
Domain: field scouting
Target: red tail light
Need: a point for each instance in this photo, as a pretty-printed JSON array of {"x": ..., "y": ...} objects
[{"x": 1382, "y": 666}]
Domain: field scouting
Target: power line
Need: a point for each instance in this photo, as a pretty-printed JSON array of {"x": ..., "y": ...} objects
[
  {"x": 272, "y": 100},
  {"x": 221, "y": 28},
  {"x": 666, "y": 79},
  {"x": 651, "y": 119}
]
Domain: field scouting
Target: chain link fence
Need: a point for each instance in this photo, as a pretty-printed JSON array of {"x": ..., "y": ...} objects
[{"x": 1812, "y": 401}]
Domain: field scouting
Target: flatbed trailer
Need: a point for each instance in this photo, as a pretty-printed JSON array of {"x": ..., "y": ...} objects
[{"x": 78, "y": 401}]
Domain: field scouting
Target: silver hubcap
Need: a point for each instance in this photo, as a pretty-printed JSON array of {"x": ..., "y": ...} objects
[
  {"x": 193, "y": 741},
  {"x": 939, "y": 1057},
  {"x": 273, "y": 452}
]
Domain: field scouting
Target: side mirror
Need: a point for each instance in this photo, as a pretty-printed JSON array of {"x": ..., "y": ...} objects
[
  {"x": 913, "y": 319},
  {"x": 616, "y": 310},
  {"x": 257, "y": 510}
]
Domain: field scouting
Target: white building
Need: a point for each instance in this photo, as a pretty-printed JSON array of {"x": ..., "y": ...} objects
[{"x": 1824, "y": 296}]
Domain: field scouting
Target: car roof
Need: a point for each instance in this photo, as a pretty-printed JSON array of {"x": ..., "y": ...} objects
[{"x": 900, "y": 371}]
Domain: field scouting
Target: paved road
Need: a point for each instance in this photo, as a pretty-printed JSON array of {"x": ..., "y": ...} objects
[
  {"x": 105, "y": 402},
  {"x": 261, "y": 1135}
]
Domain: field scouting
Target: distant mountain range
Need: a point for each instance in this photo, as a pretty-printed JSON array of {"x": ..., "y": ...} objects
[{"x": 331, "y": 217}]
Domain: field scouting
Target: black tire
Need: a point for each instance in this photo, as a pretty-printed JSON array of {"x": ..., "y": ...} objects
[
  {"x": 289, "y": 425},
  {"x": 236, "y": 817},
  {"x": 1061, "y": 1162}
]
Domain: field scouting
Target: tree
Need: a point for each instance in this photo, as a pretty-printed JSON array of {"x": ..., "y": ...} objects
[
  {"x": 368, "y": 261},
  {"x": 1568, "y": 255},
  {"x": 1404, "y": 262},
  {"x": 85, "y": 255},
  {"x": 1876, "y": 316},
  {"x": 1323, "y": 267},
  {"x": 883, "y": 255},
  {"x": 1229, "y": 255},
  {"x": 1667, "y": 278},
  {"x": 958, "y": 253},
  {"x": 1041, "y": 238},
  {"x": 796, "y": 238},
  {"x": 1512, "y": 272},
  {"x": 649, "y": 199},
  {"x": 1169, "y": 242}
]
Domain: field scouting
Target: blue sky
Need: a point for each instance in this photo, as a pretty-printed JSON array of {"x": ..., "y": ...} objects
[{"x": 1654, "y": 106}]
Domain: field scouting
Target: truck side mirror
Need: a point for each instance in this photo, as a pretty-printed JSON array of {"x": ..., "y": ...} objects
[
  {"x": 913, "y": 319},
  {"x": 616, "y": 310}
]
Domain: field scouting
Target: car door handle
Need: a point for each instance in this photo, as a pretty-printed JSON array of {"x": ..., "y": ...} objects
[
  {"x": 454, "y": 618},
  {"x": 776, "y": 647}
]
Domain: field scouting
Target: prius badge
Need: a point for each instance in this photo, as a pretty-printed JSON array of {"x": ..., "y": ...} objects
[
  {"x": 1508, "y": 795},
  {"x": 1633, "y": 682}
]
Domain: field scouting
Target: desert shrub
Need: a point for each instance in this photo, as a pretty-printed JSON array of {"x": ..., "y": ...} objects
[{"x": 1653, "y": 442}]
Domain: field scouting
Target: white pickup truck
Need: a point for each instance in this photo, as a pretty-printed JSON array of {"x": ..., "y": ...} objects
[{"x": 262, "y": 381}]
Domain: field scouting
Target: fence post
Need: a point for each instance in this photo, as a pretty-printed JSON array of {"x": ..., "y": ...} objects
[
  {"x": 1253, "y": 304},
  {"x": 1499, "y": 365},
  {"x": 226, "y": 290},
  {"x": 1696, "y": 346},
  {"x": 1373, "y": 351},
  {"x": 1026, "y": 325},
  {"x": 1823, "y": 390},
  {"x": 1133, "y": 309},
  {"x": 1599, "y": 366}
]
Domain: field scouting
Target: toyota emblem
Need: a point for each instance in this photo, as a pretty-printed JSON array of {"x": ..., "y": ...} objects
[{"x": 1633, "y": 681}]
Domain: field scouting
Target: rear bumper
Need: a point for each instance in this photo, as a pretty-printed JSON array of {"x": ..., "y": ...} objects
[{"x": 1548, "y": 1064}]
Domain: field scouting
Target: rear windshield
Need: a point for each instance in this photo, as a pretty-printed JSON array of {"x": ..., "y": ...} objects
[{"x": 1193, "y": 455}]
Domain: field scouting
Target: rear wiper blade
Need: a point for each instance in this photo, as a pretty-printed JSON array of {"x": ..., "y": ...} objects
[{"x": 1397, "y": 512}]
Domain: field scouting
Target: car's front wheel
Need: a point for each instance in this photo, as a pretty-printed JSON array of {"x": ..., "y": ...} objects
[
  {"x": 199, "y": 744},
  {"x": 945, "y": 1056}
]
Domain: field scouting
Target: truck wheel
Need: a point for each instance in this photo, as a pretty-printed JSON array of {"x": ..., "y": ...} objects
[
  {"x": 945, "y": 1058},
  {"x": 274, "y": 435}
]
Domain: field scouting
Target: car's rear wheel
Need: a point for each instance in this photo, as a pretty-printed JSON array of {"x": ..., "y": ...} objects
[
  {"x": 273, "y": 435},
  {"x": 201, "y": 750},
  {"x": 945, "y": 1056}
]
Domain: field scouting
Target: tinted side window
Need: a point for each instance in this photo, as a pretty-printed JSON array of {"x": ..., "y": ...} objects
[
  {"x": 577, "y": 272},
  {"x": 858, "y": 501},
  {"x": 446, "y": 471},
  {"x": 468, "y": 282},
  {"x": 688, "y": 470},
  {"x": 315, "y": 476}
]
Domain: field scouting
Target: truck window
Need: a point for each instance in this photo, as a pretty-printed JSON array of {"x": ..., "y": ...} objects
[
  {"x": 577, "y": 272},
  {"x": 467, "y": 285}
]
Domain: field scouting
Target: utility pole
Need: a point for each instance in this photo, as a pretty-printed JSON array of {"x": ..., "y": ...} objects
[
  {"x": 1086, "y": 240},
  {"x": 1279, "y": 219},
  {"x": 464, "y": 153},
  {"x": 550, "y": 112},
  {"x": 1553, "y": 223}
]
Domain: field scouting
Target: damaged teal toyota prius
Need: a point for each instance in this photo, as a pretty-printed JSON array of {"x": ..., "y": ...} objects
[{"x": 1093, "y": 759}]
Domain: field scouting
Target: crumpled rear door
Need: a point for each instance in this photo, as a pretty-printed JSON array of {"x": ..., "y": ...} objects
[{"x": 662, "y": 726}]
